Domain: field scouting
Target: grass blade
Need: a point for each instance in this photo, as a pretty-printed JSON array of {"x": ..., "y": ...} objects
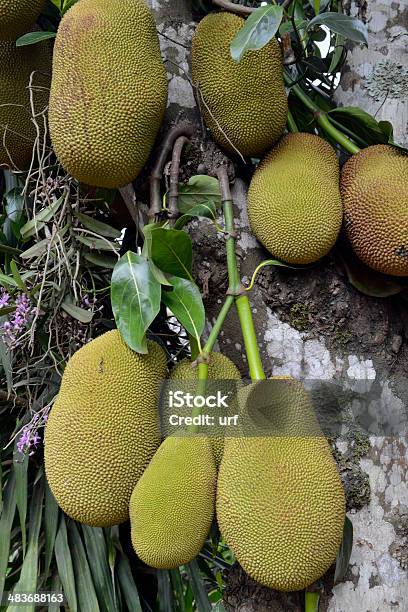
[
  {"x": 51, "y": 514},
  {"x": 165, "y": 594},
  {"x": 97, "y": 553},
  {"x": 177, "y": 585},
  {"x": 6, "y": 522},
  {"x": 56, "y": 587},
  {"x": 20, "y": 467},
  {"x": 29, "y": 570},
  {"x": 197, "y": 585},
  {"x": 127, "y": 585},
  {"x": 87, "y": 600},
  {"x": 64, "y": 564}
]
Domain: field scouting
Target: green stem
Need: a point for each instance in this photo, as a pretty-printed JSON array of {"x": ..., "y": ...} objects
[
  {"x": 291, "y": 123},
  {"x": 321, "y": 117},
  {"x": 212, "y": 338},
  {"x": 311, "y": 601},
  {"x": 235, "y": 288},
  {"x": 194, "y": 347}
]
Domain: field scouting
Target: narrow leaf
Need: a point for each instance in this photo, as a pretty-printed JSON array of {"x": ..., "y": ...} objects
[
  {"x": 97, "y": 554},
  {"x": 127, "y": 585},
  {"x": 7, "y": 281},
  {"x": 65, "y": 567},
  {"x": 6, "y": 522},
  {"x": 42, "y": 217},
  {"x": 82, "y": 315},
  {"x": 87, "y": 600},
  {"x": 96, "y": 243},
  {"x": 164, "y": 594},
  {"x": 103, "y": 261},
  {"x": 34, "y": 37},
  {"x": 186, "y": 303},
  {"x": 344, "y": 554},
  {"x": 56, "y": 587},
  {"x": 172, "y": 252},
  {"x": 98, "y": 226},
  {"x": 51, "y": 514},
  {"x": 16, "y": 275},
  {"x": 135, "y": 297},
  {"x": 197, "y": 585},
  {"x": 20, "y": 467},
  {"x": 260, "y": 27},
  {"x": 349, "y": 27}
]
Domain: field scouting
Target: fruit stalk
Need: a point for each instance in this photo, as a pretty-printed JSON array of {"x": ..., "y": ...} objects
[
  {"x": 235, "y": 288},
  {"x": 322, "y": 117}
]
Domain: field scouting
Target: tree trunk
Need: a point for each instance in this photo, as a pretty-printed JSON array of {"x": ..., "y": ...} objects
[{"x": 314, "y": 324}]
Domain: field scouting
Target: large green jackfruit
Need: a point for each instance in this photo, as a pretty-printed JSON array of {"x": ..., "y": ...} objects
[
  {"x": 244, "y": 104},
  {"x": 294, "y": 203},
  {"x": 374, "y": 186},
  {"x": 172, "y": 506},
  {"x": 109, "y": 90},
  {"x": 103, "y": 428},
  {"x": 17, "y": 17},
  {"x": 17, "y": 67},
  {"x": 219, "y": 368},
  {"x": 280, "y": 501}
]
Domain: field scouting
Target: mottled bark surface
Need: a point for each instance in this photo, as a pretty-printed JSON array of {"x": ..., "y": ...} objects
[{"x": 313, "y": 324}]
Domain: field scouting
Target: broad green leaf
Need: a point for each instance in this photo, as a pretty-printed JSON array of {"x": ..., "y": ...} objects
[
  {"x": 159, "y": 275},
  {"x": 172, "y": 252},
  {"x": 164, "y": 592},
  {"x": 197, "y": 585},
  {"x": 97, "y": 243},
  {"x": 103, "y": 261},
  {"x": 349, "y": 27},
  {"x": 98, "y": 226},
  {"x": 64, "y": 564},
  {"x": 20, "y": 467},
  {"x": 44, "y": 216},
  {"x": 34, "y": 37},
  {"x": 135, "y": 298},
  {"x": 51, "y": 515},
  {"x": 387, "y": 128},
  {"x": 344, "y": 554},
  {"x": 14, "y": 204},
  {"x": 202, "y": 192},
  {"x": 127, "y": 585},
  {"x": 260, "y": 27},
  {"x": 361, "y": 122},
  {"x": 80, "y": 314},
  {"x": 29, "y": 571},
  {"x": 97, "y": 554},
  {"x": 186, "y": 303},
  {"x": 87, "y": 600},
  {"x": 6, "y": 522},
  {"x": 337, "y": 53}
]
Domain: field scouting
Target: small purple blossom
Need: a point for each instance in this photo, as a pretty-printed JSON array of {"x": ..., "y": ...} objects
[
  {"x": 18, "y": 321},
  {"x": 29, "y": 437},
  {"x": 4, "y": 298}
]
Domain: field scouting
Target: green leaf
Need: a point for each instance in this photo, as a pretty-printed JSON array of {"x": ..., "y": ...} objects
[
  {"x": 7, "y": 310},
  {"x": 17, "y": 277},
  {"x": 316, "y": 6},
  {"x": 6, "y": 363},
  {"x": 98, "y": 226},
  {"x": 344, "y": 554},
  {"x": 20, "y": 467},
  {"x": 312, "y": 601},
  {"x": 34, "y": 37},
  {"x": 6, "y": 522},
  {"x": 51, "y": 515},
  {"x": 87, "y": 600},
  {"x": 98, "y": 559},
  {"x": 337, "y": 53},
  {"x": 103, "y": 261},
  {"x": 80, "y": 314},
  {"x": 5, "y": 248},
  {"x": 7, "y": 281},
  {"x": 349, "y": 27},
  {"x": 159, "y": 275},
  {"x": 186, "y": 304},
  {"x": 202, "y": 192},
  {"x": 29, "y": 571},
  {"x": 97, "y": 243},
  {"x": 37, "y": 249},
  {"x": 56, "y": 587},
  {"x": 67, "y": 5},
  {"x": 260, "y": 27},
  {"x": 64, "y": 564},
  {"x": 164, "y": 594},
  {"x": 177, "y": 584},
  {"x": 197, "y": 585},
  {"x": 172, "y": 252},
  {"x": 127, "y": 585},
  {"x": 44, "y": 216},
  {"x": 135, "y": 298},
  {"x": 361, "y": 122}
]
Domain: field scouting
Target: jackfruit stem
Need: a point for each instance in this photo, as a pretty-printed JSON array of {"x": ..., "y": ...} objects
[
  {"x": 241, "y": 301},
  {"x": 311, "y": 601},
  {"x": 322, "y": 118}
]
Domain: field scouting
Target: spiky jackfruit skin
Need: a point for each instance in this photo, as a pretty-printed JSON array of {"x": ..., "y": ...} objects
[
  {"x": 172, "y": 505},
  {"x": 244, "y": 104},
  {"x": 17, "y": 131},
  {"x": 294, "y": 202},
  {"x": 280, "y": 501},
  {"x": 103, "y": 428},
  {"x": 374, "y": 186},
  {"x": 109, "y": 91},
  {"x": 219, "y": 368},
  {"x": 17, "y": 17}
]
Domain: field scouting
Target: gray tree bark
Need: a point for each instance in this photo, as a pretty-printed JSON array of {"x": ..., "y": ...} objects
[{"x": 314, "y": 324}]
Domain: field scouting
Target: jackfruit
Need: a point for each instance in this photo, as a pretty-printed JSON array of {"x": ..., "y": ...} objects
[
  {"x": 244, "y": 104},
  {"x": 17, "y": 17},
  {"x": 374, "y": 186},
  {"x": 280, "y": 501},
  {"x": 17, "y": 131},
  {"x": 103, "y": 428},
  {"x": 108, "y": 92},
  {"x": 294, "y": 203},
  {"x": 172, "y": 505},
  {"x": 219, "y": 368}
]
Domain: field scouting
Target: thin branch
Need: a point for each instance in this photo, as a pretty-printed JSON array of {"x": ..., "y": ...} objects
[
  {"x": 129, "y": 197},
  {"x": 17, "y": 401},
  {"x": 239, "y": 9},
  {"x": 182, "y": 129},
  {"x": 174, "y": 176}
]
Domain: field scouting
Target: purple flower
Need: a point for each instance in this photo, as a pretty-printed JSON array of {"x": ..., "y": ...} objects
[
  {"x": 4, "y": 298},
  {"x": 18, "y": 321}
]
